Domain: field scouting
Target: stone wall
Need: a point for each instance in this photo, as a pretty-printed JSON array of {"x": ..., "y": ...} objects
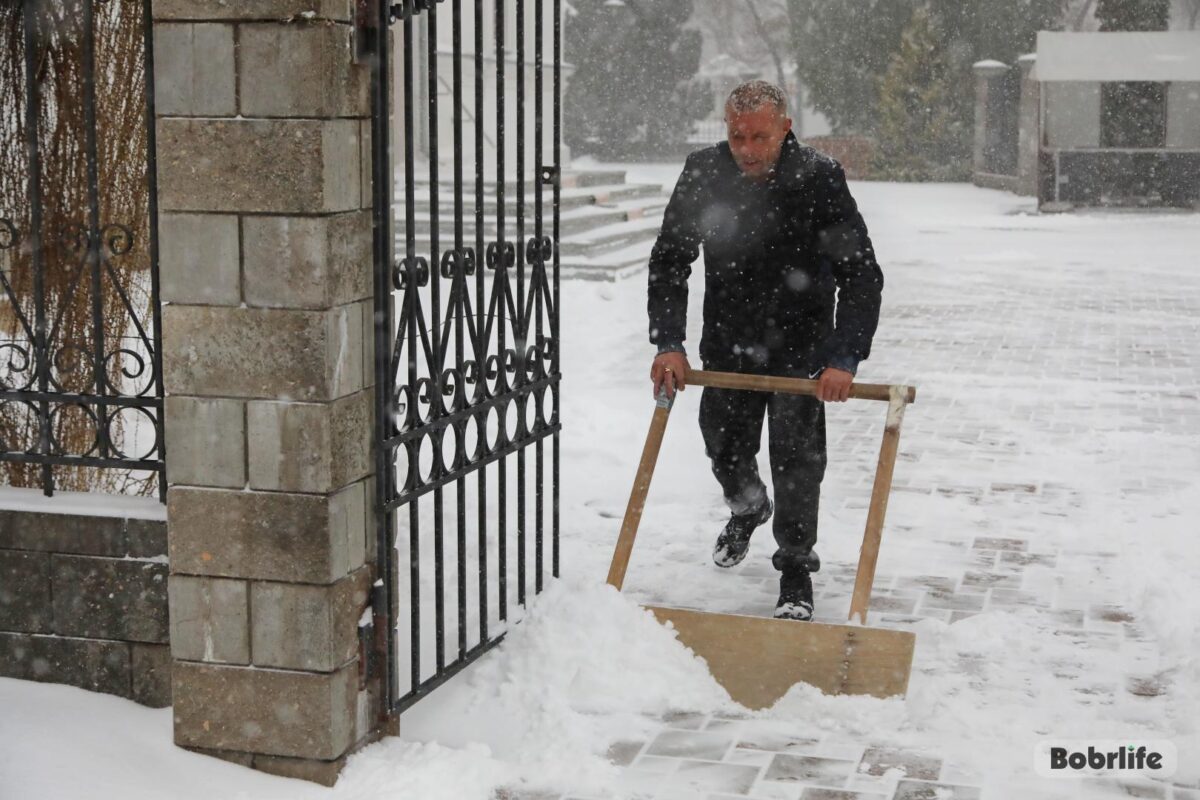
[
  {"x": 83, "y": 601},
  {"x": 266, "y": 263}
]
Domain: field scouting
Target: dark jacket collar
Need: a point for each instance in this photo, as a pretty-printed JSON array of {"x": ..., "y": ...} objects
[{"x": 789, "y": 170}]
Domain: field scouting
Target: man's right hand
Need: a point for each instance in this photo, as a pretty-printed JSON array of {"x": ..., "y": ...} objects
[{"x": 669, "y": 370}]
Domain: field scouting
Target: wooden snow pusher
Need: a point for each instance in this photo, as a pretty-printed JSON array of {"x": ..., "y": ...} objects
[{"x": 758, "y": 659}]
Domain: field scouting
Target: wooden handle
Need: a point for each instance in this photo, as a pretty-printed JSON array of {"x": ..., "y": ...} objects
[
  {"x": 897, "y": 396},
  {"x": 637, "y": 498},
  {"x": 869, "y": 555},
  {"x": 771, "y": 383}
]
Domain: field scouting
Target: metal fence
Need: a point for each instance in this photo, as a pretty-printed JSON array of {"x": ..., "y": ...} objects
[
  {"x": 80, "y": 370},
  {"x": 467, "y": 325}
]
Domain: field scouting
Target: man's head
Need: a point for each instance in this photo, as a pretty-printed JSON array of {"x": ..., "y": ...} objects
[{"x": 757, "y": 122}]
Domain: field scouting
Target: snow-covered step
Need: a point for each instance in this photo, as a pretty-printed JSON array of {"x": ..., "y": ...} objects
[
  {"x": 607, "y": 226},
  {"x": 612, "y": 237},
  {"x": 608, "y": 266},
  {"x": 569, "y": 198},
  {"x": 589, "y": 243},
  {"x": 572, "y": 179},
  {"x": 571, "y": 221}
]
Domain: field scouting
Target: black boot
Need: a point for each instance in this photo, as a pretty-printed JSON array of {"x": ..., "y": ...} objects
[
  {"x": 795, "y": 595},
  {"x": 734, "y": 541}
]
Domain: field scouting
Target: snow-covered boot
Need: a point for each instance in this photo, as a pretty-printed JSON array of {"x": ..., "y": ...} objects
[
  {"x": 795, "y": 595},
  {"x": 734, "y": 541}
]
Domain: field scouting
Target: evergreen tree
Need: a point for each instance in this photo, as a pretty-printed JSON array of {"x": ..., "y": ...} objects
[
  {"x": 844, "y": 48},
  {"x": 1133, "y": 15},
  {"x": 841, "y": 48},
  {"x": 634, "y": 91},
  {"x": 921, "y": 135},
  {"x": 1133, "y": 113}
]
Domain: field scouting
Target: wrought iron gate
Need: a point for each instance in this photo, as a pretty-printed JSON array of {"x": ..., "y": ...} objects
[
  {"x": 80, "y": 369},
  {"x": 467, "y": 334}
]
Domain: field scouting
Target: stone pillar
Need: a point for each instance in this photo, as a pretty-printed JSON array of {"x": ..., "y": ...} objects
[
  {"x": 265, "y": 239},
  {"x": 1029, "y": 126},
  {"x": 988, "y": 75}
]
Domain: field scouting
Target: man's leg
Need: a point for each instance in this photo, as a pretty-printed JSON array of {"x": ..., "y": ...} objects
[
  {"x": 731, "y": 424},
  {"x": 796, "y": 432}
]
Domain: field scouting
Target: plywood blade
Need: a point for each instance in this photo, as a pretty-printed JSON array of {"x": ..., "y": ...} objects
[{"x": 758, "y": 659}]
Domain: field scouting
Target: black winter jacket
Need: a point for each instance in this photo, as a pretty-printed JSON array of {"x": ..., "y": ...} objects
[{"x": 774, "y": 253}]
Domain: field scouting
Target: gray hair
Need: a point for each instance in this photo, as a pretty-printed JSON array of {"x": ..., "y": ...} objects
[{"x": 753, "y": 95}]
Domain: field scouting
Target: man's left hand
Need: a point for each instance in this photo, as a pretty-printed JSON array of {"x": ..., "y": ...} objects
[{"x": 834, "y": 385}]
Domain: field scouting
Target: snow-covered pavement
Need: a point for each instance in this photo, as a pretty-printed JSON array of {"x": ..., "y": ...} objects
[
  {"x": 1039, "y": 541},
  {"x": 1038, "y": 538}
]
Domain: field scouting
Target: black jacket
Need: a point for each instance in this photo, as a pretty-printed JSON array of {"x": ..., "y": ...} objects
[{"x": 774, "y": 253}]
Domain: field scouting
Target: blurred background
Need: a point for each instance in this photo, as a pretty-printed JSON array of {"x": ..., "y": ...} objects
[{"x": 911, "y": 90}]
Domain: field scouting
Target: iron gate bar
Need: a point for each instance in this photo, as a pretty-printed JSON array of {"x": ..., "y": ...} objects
[
  {"x": 375, "y": 33},
  {"x": 33, "y": 101},
  {"x": 410, "y": 305},
  {"x": 93, "y": 200},
  {"x": 439, "y": 578},
  {"x": 459, "y": 292},
  {"x": 500, "y": 263},
  {"x": 539, "y": 266},
  {"x": 556, "y": 351},
  {"x": 152, "y": 182},
  {"x": 520, "y": 344},
  {"x": 480, "y": 342}
]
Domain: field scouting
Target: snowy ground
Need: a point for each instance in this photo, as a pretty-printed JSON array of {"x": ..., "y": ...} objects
[{"x": 1039, "y": 541}]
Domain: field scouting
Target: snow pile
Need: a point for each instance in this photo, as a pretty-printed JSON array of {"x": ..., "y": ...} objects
[
  {"x": 1170, "y": 610},
  {"x": 62, "y": 743},
  {"x": 396, "y": 769},
  {"x": 586, "y": 666}
]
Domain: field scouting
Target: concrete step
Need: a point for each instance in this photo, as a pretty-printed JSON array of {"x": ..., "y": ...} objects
[
  {"x": 569, "y": 198},
  {"x": 571, "y": 179},
  {"x": 589, "y": 244},
  {"x": 572, "y": 221},
  {"x": 607, "y": 226},
  {"x": 611, "y": 237},
  {"x": 571, "y": 247},
  {"x": 610, "y": 266}
]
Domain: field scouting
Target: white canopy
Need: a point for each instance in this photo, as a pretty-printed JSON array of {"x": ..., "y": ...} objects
[{"x": 1152, "y": 56}]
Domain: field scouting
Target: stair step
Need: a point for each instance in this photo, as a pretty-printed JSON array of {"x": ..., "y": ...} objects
[
  {"x": 609, "y": 266},
  {"x": 574, "y": 221},
  {"x": 574, "y": 198},
  {"x": 569, "y": 248},
  {"x": 604, "y": 237},
  {"x": 572, "y": 179},
  {"x": 607, "y": 226}
]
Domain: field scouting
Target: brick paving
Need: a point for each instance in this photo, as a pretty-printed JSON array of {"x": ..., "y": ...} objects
[{"x": 1037, "y": 342}]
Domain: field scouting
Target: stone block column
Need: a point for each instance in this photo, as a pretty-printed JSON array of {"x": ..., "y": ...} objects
[
  {"x": 988, "y": 75},
  {"x": 265, "y": 232},
  {"x": 1029, "y": 126}
]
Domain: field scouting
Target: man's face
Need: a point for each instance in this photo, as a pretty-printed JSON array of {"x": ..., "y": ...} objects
[{"x": 756, "y": 137}]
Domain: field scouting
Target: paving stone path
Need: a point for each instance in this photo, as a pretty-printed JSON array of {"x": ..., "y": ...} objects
[{"x": 1058, "y": 379}]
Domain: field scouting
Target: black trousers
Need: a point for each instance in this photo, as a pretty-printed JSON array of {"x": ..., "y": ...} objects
[{"x": 731, "y": 423}]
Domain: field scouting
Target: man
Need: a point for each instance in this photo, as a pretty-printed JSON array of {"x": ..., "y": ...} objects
[{"x": 780, "y": 233}]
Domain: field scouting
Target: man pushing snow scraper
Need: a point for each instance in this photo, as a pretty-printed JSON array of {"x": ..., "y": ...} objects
[{"x": 782, "y": 236}]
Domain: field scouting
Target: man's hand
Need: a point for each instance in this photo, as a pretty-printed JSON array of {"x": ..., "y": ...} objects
[
  {"x": 834, "y": 385},
  {"x": 669, "y": 370}
]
